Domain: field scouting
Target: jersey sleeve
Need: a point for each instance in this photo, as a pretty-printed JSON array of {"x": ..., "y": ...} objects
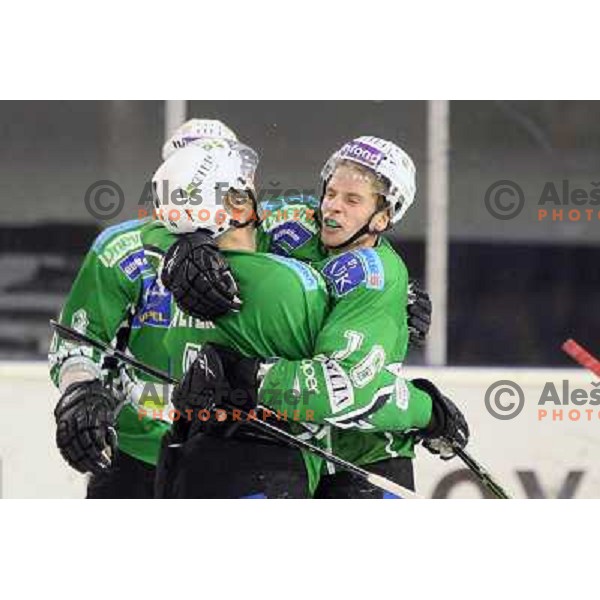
[
  {"x": 354, "y": 379},
  {"x": 106, "y": 289},
  {"x": 289, "y": 227}
]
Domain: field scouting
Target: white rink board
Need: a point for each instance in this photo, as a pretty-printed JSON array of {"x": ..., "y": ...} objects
[
  {"x": 532, "y": 458},
  {"x": 31, "y": 466}
]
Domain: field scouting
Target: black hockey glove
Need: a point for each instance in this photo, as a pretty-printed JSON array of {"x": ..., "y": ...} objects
[
  {"x": 199, "y": 278},
  {"x": 202, "y": 388},
  {"x": 448, "y": 427},
  {"x": 242, "y": 373},
  {"x": 85, "y": 426},
  {"x": 419, "y": 313}
]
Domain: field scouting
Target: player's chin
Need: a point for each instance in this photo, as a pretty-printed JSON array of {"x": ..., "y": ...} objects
[{"x": 331, "y": 236}]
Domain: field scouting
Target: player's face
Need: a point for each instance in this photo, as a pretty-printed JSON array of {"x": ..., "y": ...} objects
[
  {"x": 348, "y": 203},
  {"x": 239, "y": 205}
]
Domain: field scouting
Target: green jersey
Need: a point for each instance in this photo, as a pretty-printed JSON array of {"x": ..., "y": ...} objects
[
  {"x": 355, "y": 374},
  {"x": 118, "y": 298},
  {"x": 285, "y": 304}
]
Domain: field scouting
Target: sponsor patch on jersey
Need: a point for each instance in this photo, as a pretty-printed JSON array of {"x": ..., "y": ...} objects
[
  {"x": 361, "y": 417},
  {"x": 275, "y": 213},
  {"x": 112, "y": 231},
  {"x": 181, "y": 319},
  {"x": 308, "y": 275},
  {"x": 310, "y": 376},
  {"x": 346, "y": 272},
  {"x": 134, "y": 265},
  {"x": 155, "y": 308},
  {"x": 365, "y": 371},
  {"x": 339, "y": 386},
  {"x": 120, "y": 247},
  {"x": 289, "y": 236}
]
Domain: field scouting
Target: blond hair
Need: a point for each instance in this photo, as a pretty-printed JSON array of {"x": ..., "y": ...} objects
[{"x": 379, "y": 186}]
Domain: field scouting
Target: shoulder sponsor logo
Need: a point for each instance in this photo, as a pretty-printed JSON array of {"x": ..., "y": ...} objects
[
  {"x": 351, "y": 269},
  {"x": 276, "y": 214},
  {"x": 120, "y": 247},
  {"x": 344, "y": 273},
  {"x": 373, "y": 267},
  {"x": 288, "y": 237},
  {"x": 134, "y": 265},
  {"x": 112, "y": 231}
]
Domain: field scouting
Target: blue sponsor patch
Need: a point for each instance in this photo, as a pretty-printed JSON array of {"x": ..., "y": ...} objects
[
  {"x": 155, "y": 307},
  {"x": 374, "y": 268},
  {"x": 289, "y": 236},
  {"x": 306, "y": 273},
  {"x": 346, "y": 272},
  {"x": 134, "y": 265}
]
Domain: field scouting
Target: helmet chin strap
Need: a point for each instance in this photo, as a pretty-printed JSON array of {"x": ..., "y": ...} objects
[
  {"x": 366, "y": 228},
  {"x": 254, "y": 219}
]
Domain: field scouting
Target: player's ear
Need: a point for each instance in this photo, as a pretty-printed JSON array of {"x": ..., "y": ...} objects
[{"x": 381, "y": 221}]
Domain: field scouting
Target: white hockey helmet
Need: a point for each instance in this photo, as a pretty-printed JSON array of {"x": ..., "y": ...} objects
[
  {"x": 190, "y": 186},
  {"x": 194, "y": 130},
  {"x": 388, "y": 161}
]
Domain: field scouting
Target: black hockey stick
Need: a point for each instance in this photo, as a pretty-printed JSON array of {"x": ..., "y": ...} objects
[
  {"x": 482, "y": 474},
  {"x": 375, "y": 480}
]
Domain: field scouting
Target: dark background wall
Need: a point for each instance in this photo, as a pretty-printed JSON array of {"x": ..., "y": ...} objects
[{"x": 518, "y": 288}]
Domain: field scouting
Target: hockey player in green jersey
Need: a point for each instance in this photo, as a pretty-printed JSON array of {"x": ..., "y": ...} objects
[
  {"x": 367, "y": 185},
  {"x": 371, "y": 398},
  {"x": 284, "y": 309},
  {"x": 118, "y": 298}
]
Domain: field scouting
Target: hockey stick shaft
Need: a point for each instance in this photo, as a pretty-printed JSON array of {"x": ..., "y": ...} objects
[
  {"x": 74, "y": 335},
  {"x": 482, "y": 474},
  {"x": 376, "y": 480}
]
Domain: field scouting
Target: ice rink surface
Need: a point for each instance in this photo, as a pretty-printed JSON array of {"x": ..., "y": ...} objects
[{"x": 533, "y": 455}]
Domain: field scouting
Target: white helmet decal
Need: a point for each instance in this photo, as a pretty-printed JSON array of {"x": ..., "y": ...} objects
[{"x": 194, "y": 130}]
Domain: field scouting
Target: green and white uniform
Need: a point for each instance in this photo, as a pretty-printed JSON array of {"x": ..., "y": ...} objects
[
  {"x": 355, "y": 373},
  {"x": 118, "y": 287}
]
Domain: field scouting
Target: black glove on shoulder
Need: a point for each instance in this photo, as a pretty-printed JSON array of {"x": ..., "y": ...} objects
[
  {"x": 448, "y": 428},
  {"x": 85, "y": 426},
  {"x": 199, "y": 278},
  {"x": 419, "y": 313}
]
